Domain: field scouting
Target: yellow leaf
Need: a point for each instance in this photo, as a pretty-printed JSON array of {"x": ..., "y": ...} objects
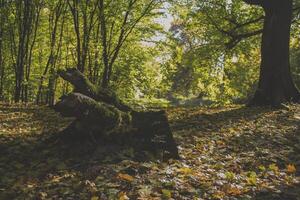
[
  {"x": 185, "y": 170},
  {"x": 231, "y": 130},
  {"x": 95, "y": 198},
  {"x": 274, "y": 168},
  {"x": 252, "y": 178},
  {"x": 291, "y": 169},
  {"x": 166, "y": 194},
  {"x": 125, "y": 177},
  {"x": 123, "y": 196},
  {"x": 234, "y": 191},
  {"x": 221, "y": 143},
  {"x": 218, "y": 195},
  {"x": 262, "y": 168}
]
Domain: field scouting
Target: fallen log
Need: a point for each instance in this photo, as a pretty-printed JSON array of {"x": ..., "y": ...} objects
[
  {"x": 100, "y": 114},
  {"x": 92, "y": 116},
  {"x": 82, "y": 85}
]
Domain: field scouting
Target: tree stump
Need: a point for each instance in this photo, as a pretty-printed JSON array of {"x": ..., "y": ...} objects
[{"x": 99, "y": 113}]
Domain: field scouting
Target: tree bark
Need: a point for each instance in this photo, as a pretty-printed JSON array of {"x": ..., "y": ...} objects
[
  {"x": 100, "y": 113},
  {"x": 2, "y": 68},
  {"x": 54, "y": 17},
  {"x": 26, "y": 22},
  {"x": 84, "y": 86},
  {"x": 275, "y": 83},
  {"x": 82, "y": 12}
]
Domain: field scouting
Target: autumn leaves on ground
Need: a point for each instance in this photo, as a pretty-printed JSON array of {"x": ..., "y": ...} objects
[{"x": 226, "y": 153}]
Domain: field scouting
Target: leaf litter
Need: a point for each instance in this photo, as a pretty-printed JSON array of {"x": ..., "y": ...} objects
[{"x": 229, "y": 152}]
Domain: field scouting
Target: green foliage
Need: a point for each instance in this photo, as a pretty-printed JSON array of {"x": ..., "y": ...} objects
[
  {"x": 56, "y": 45},
  {"x": 202, "y": 63},
  {"x": 295, "y": 57},
  {"x": 205, "y": 53}
]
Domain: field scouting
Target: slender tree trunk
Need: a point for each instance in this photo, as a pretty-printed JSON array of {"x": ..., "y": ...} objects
[
  {"x": 24, "y": 12},
  {"x": 19, "y": 73},
  {"x": 2, "y": 73},
  {"x": 275, "y": 84},
  {"x": 36, "y": 19},
  {"x": 39, "y": 93},
  {"x": 53, "y": 75},
  {"x": 96, "y": 64},
  {"x": 53, "y": 20},
  {"x": 2, "y": 70},
  {"x": 105, "y": 57},
  {"x": 1, "y": 63}
]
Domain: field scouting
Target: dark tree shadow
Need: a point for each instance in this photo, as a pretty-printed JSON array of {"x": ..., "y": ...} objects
[
  {"x": 286, "y": 193},
  {"x": 29, "y": 157},
  {"x": 273, "y": 148},
  {"x": 34, "y": 157},
  {"x": 268, "y": 145},
  {"x": 217, "y": 119}
]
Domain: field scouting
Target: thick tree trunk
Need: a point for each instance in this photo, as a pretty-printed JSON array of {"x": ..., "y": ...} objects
[
  {"x": 275, "y": 84},
  {"x": 99, "y": 113}
]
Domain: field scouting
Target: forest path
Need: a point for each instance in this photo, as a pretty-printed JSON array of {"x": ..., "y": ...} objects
[{"x": 227, "y": 153}]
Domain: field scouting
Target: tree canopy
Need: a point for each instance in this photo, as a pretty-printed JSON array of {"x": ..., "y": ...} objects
[
  {"x": 143, "y": 49},
  {"x": 150, "y": 99}
]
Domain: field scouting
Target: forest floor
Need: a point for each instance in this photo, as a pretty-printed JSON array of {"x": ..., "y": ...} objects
[{"x": 226, "y": 153}]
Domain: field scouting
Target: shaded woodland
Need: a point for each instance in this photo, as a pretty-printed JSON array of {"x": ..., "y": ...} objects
[{"x": 149, "y": 99}]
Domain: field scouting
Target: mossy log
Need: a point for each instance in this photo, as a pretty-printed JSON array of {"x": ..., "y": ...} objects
[
  {"x": 93, "y": 116},
  {"x": 99, "y": 113},
  {"x": 82, "y": 85}
]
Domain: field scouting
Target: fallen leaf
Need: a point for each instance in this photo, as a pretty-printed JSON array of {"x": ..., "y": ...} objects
[
  {"x": 125, "y": 177},
  {"x": 234, "y": 191},
  {"x": 185, "y": 170},
  {"x": 252, "y": 178},
  {"x": 274, "y": 168},
  {"x": 95, "y": 198},
  {"x": 166, "y": 194},
  {"x": 291, "y": 169},
  {"x": 123, "y": 196}
]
